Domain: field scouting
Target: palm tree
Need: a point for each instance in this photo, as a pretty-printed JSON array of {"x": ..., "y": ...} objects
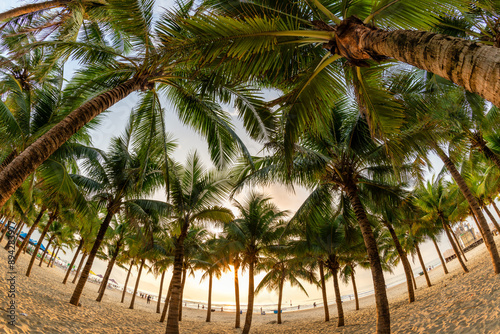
[
  {"x": 194, "y": 195},
  {"x": 257, "y": 227},
  {"x": 157, "y": 68}
]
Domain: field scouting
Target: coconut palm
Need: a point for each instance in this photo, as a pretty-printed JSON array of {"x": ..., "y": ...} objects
[
  {"x": 194, "y": 194},
  {"x": 256, "y": 228}
]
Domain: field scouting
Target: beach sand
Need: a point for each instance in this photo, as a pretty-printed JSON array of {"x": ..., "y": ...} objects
[{"x": 456, "y": 303}]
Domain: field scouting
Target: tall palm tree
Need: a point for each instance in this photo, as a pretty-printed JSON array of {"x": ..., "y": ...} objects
[
  {"x": 256, "y": 228},
  {"x": 194, "y": 195}
]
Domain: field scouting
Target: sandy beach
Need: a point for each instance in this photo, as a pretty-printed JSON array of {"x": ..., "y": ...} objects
[{"x": 456, "y": 303}]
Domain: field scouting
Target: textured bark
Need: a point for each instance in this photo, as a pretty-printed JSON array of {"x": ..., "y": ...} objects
[
  {"x": 39, "y": 243},
  {"x": 167, "y": 302},
  {"x": 338, "y": 298},
  {"x": 184, "y": 274},
  {"x": 443, "y": 264},
  {"x": 462, "y": 185},
  {"x": 46, "y": 250},
  {"x": 237, "y": 294},
  {"x": 323, "y": 291},
  {"x": 107, "y": 275},
  {"x": 80, "y": 266},
  {"x": 454, "y": 246},
  {"x": 132, "y": 302},
  {"x": 422, "y": 264},
  {"x": 404, "y": 260},
  {"x": 251, "y": 296},
  {"x": 13, "y": 175},
  {"x": 209, "y": 307},
  {"x": 173, "y": 309},
  {"x": 158, "y": 305},
  {"x": 126, "y": 282},
  {"x": 354, "y": 287},
  {"x": 80, "y": 245},
  {"x": 30, "y": 232},
  {"x": 75, "y": 298},
  {"x": 474, "y": 66},
  {"x": 381, "y": 301},
  {"x": 280, "y": 295},
  {"x": 493, "y": 220},
  {"x": 32, "y": 8}
]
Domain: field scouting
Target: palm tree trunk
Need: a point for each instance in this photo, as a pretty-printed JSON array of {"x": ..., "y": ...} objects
[
  {"x": 39, "y": 243},
  {"x": 383, "y": 314},
  {"x": 414, "y": 281},
  {"x": 75, "y": 298},
  {"x": 30, "y": 232},
  {"x": 136, "y": 285},
  {"x": 167, "y": 302},
  {"x": 458, "y": 244},
  {"x": 209, "y": 307},
  {"x": 251, "y": 295},
  {"x": 158, "y": 305},
  {"x": 443, "y": 264},
  {"x": 184, "y": 274},
  {"x": 14, "y": 174},
  {"x": 107, "y": 275},
  {"x": 32, "y": 8},
  {"x": 454, "y": 246},
  {"x": 338, "y": 298},
  {"x": 493, "y": 220},
  {"x": 478, "y": 142},
  {"x": 280, "y": 295},
  {"x": 495, "y": 207},
  {"x": 466, "y": 63},
  {"x": 54, "y": 258},
  {"x": 80, "y": 265},
  {"x": 404, "y": 261},
  {"x": 462, "y": 185},
  {"x": 323, "y": 291},
  {"x": 80, "y": 245},
  {"x": 126, "y": 282},
  {"x": 356, "y": 297},
  {"x": 173, "y": 309},
  {"x": 46, "y": 250},
  {"x": 54, "y": 248},
  {"x": 478, "y": 226},
  {"x": 5, "y": 229},
  {"x": 237, "y": 295},
  {"x": 422, "y": 264}
]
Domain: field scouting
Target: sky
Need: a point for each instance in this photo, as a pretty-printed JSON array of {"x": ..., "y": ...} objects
[{"x": 114, "y": 123}]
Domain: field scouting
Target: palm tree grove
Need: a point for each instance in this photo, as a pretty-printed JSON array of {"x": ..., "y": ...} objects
[{"x": 250, "y": 166}]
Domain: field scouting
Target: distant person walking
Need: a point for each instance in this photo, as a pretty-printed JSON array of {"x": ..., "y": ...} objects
[{"x": 149, "y": 299}]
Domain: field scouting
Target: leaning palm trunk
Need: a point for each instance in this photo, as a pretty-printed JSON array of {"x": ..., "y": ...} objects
[
  {"x": 462, "y": 185},
  {"x": 472, "y": 65},
  {"x": 79, "y": 269},
  {"x": 458, "y": 244},
  {"x": 404, "y": 261},
  {"x": 383, "y": 314},
  {"x": 184, "y": 274},
  {"x": 443, "y": 264},
  {"x": 75, "y": 298},
  {"x": 46, "y": 250},
  {"x": 323, "y": 290},
  {"x": 280, "y": 295},
  {"x": 13, "y": 175},
  {"x": 158, "y": 305},
  {"x": 237, "y": 295},
  {"x": 495, "y": 207},
  {"x": 126, "y": 282},
  {"x": 478, "y": 142},
  {"x": 493, "y": 220},
  {"x": 422, "y": 264},
  {"x": 167, "y": 302},
  {"x": 356, "y": 297},
  {"x": 5, "y": 228},
  {"x": 209, "y": 307},
  {"x": 173, "y": 309},
  {"x": 338, "y": 297},
  {"x": 39, "y": 243},
  {"x": 53, "y": 259},
  {"x": 132, "y": 302},
  {"x": 251, "y": 295},
  {"x": 454, "y": 246},
  {"x": 30, "y": 232},
  {"x": 108, "y": 273},
  {"x": 32, "y": 8}
]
